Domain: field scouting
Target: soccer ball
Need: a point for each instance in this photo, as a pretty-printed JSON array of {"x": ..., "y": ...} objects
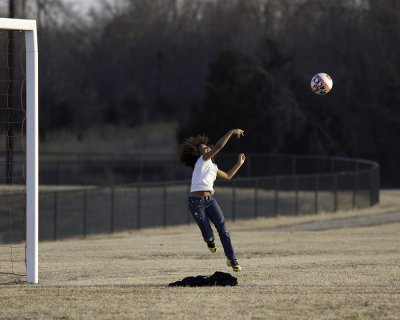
[{"x": 321, "y": 83}]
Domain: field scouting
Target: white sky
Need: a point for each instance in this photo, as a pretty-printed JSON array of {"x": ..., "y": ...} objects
[
  {"x": 78, "y": 5},
  {"x": 82, "y": 5}
]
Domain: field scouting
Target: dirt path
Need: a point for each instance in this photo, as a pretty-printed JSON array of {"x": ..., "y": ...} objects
[{"x": 363, "y": 221}]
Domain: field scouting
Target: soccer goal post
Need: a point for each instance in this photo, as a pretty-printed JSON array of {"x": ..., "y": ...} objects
[{"x": 30, "y": 122}]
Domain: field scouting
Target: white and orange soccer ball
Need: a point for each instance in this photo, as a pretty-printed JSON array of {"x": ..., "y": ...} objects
[{"x": 321, "y": 83}]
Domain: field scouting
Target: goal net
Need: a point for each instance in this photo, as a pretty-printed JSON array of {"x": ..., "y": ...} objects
[{"x": 19, "y": 151}]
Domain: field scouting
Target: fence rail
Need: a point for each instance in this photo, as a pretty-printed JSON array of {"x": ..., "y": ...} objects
[{"x": 310, "y": 185}]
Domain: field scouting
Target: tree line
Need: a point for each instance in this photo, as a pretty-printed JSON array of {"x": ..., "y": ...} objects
[{"x": 214, "y": 65}]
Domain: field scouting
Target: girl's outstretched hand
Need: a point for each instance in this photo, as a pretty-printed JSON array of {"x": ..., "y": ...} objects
[
  {"x": 238, "y": 132},
  {"x": 241, "y": 158}
]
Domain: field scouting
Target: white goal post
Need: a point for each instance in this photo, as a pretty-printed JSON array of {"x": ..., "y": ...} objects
[{"x": 32, "y": 148}]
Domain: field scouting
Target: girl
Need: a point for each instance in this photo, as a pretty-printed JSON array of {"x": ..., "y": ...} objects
[{"x": 196, "y": 153}]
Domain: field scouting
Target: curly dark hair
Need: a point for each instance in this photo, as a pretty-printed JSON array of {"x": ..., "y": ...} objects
[{"x": 189, "y": 149}]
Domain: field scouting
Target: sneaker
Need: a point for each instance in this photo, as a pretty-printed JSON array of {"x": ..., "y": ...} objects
[
  {"x": 211, "y": 246},
  {"x": 234, "y": 264}
]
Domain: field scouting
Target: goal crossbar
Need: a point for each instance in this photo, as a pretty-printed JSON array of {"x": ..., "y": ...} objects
[{"x": 32, "y": 147}]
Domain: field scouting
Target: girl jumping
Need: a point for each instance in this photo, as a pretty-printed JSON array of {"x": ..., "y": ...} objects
[{"x": 198, "y": 154}]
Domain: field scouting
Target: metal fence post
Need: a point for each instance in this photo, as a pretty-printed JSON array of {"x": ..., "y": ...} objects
[
  {"x": 84, "y": 213},
  {"x": 296, "y": 186},
  {"x": 335, "y": 192},
  {"x": 164, "y": 205},
  {"x": 355, "y": 190},
  {"x": 316, "y": 199},
  {"x": 55, "y": 215},
  {"x": 112, "y": 211},
  {"x": 276, "y": 202},
  {"x": 377, "y": 184},
  {"x": 371, "y": 189},
  {"x": 138, "y": 207},
  {"x": 375, "y": 188}
]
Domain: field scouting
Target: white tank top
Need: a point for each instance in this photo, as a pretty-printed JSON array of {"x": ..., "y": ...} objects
[{"x": 204, "y": 175}]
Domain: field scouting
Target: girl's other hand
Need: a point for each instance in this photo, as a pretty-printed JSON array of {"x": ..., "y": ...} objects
[{"x": 241, "y": 158}]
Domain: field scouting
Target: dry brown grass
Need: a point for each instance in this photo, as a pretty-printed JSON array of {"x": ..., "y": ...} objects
[
  {"x": 111, "y": 139},
  {"x": 336, "y": 274}
]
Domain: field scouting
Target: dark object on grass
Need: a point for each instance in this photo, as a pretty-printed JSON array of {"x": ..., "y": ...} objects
[{"x": 217, "y": 279}]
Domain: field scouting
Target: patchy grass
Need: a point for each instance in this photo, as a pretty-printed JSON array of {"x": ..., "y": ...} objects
[{"x": 334, "y": 274}]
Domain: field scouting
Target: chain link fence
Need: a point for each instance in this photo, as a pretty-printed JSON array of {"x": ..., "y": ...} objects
[{"x": 267, "y": 186}]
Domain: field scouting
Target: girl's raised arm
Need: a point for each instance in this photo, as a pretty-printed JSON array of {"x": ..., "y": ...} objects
[{"x": 222, "y": 142}]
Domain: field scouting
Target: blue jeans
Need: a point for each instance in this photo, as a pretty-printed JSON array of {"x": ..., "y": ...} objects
[{"x": 204, "y": 209}]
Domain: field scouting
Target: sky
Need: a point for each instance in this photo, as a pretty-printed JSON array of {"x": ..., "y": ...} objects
[{"x": 82, "y": 6}]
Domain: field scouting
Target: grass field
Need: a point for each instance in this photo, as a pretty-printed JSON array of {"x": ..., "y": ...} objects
[{"x": 348, "y": 273}]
